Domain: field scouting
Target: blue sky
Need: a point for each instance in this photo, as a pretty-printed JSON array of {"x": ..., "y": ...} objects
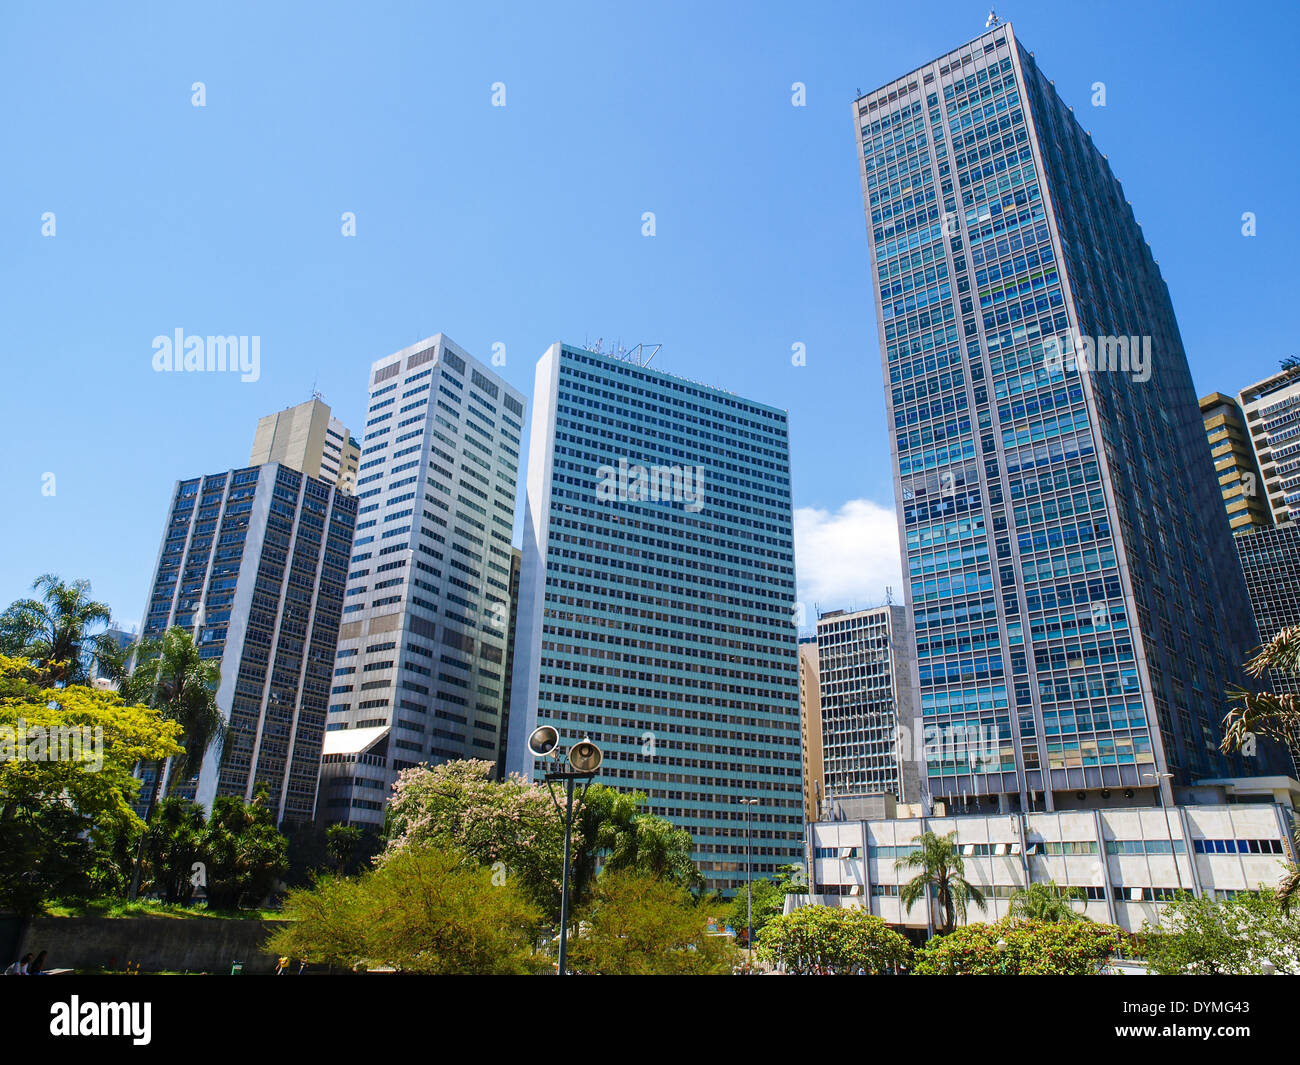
[{"x": 522, "y": 225}]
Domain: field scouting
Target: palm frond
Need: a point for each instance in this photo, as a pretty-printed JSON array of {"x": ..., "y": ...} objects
[
  {"x": 1275, "y": 714},
  {"x": 1281, "y": 653}
]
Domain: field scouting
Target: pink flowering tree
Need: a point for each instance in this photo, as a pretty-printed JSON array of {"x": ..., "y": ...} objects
[{"x": 510, "y": 826}]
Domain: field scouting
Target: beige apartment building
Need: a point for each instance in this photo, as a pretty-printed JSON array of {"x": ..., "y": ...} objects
[
  {"x": 810, "y": 722},
  {"x": 309, "y": 439}
]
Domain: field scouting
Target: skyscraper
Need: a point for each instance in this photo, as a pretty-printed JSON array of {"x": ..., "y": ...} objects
[
  {"x": 253, "y": 563},
  {"x": 865, "y": 663},
  {"x": 1073, "y": 588},
  {"x": 810, "y": 728},
  {"x": 656, "y": 599},
  {"x": 1255, "y": 441},
  {"x": 309, "y": 439},
  {"x": 1240, "y": 480},
  {"x": 516, "y": 564},
  {"x": 420, "y": 671},
  {"x": 1272, "y": 410}
]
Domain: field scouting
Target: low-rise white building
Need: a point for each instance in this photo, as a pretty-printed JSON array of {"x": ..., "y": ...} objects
[{"x": 1126, "y": 860}]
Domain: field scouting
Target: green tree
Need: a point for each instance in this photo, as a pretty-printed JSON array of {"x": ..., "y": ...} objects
[
  {"x": 941, "y": 868},
  {"x": 616, "y": 832},
  {"x": 1021, "y": 948},
  {"x": 53, "y": 631},
  {"x": 424, "y": 910},
  {"x": 171, "y": 675},
  {"x": 342, "y": 843},
  {"x": 657, "y": 848},
  {"x": 768, "y": 895},
  {"x": 832, "y": 940},
  {"x": 1204, "y": 936},
  {"x": 244, "y": 852},
  {"x": 1266, "y": 713},
  {"x": 174, "y": 841},
  {"x": 1274, "y": 714},
  {"x": 604, "y": 822},
  {"x": 65, "y": 797},
  {"x": 1047, "y": 902},
  {"x": 638, "y": 924}
]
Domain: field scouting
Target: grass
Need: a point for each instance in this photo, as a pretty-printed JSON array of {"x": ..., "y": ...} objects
[{"x": 153, "y": 908}]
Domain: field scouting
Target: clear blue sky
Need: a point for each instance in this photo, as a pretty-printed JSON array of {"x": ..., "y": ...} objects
[{"x": 522, "y": 225}]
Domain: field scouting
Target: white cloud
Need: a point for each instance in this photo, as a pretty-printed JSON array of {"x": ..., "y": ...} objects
[{"x": 847, "y": 559}]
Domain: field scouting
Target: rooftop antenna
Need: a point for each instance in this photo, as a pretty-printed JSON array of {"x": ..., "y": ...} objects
[
  {"x": 889, "y": 595},
  {"x": 642, "y": 359},
  {"x": 992, "y": 20}
]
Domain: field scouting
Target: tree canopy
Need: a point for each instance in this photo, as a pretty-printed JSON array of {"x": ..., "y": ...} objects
[
  {"x": 424, "y": 910},
  {"x": 67, "y": 756},
  {"x": 638, "y": 924},
  {"x": 832, "y": 940},
  {"x": 1021, "y": 948}
]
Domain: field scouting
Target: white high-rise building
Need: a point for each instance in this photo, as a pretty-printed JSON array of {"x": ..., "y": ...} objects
[{"x": 420, "y": 672}]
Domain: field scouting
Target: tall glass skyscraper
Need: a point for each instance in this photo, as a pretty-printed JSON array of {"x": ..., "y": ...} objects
[
  {"x": 656, "y": 601},
  {"x": 1073, "y": 584},
  {"x": 420, "y": 671},
  {"x": 253, "y": 562}
]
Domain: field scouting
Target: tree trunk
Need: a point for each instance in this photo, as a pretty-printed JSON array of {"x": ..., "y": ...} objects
[{"x": 159, "y": 768}]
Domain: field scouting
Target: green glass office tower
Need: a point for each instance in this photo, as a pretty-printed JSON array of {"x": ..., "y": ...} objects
[
  {"x": 656, "y": 599},
  {"x": 1072, "y": 581}
]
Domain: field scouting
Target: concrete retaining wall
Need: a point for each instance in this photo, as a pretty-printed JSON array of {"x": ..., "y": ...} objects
[{"x": 196, "y": 944}]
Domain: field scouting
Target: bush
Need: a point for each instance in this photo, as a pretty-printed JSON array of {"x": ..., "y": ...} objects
[
  {"x": 827, "y": 939},
  {"x": 1032, "y": 948},
  {"x": 1212, "y": 936},
  {"x": 424, "y": 910},
  {"x": 639, "y": 925}
]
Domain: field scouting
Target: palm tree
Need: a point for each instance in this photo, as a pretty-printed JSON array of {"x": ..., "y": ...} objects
[
  {"x": 341, "y": 843},
  {"x": 619, "y": 834},
  {"x": 1275, "y": 714},
  {"x": 1047, "y": 902},
  {"x": 171, "y": 676},
  {"x": 51, "y": 630},
  {"x": 606, "y": 823},
  {"x": 1269, "y": 713},
  {"x": 941, "y": 867}
]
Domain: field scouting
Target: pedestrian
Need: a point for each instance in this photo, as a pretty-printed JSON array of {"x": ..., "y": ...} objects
[
  {"x": 281, "y": 966},
  {"x": 19, "y": 968},
  {"x": 37, "y": 968}
]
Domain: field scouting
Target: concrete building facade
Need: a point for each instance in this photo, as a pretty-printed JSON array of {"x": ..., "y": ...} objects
[
  {"x": 420, "y": 670},
  {"x": 1230, "y": 836},
  {"x": 253, "y": 563},
  {"x": 656, "y": 606},
  {"x": 810, "y": 728},
  {"x": 309, "y": 439},
  {"x": 1072, "y": 584},
  {"x": 1241, "y": 481},
  {"x": 872, "y": 740}
]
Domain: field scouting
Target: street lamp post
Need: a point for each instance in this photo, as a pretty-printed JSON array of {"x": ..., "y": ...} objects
[
  {"x": 1169, "y": 828},
  {"x": 585, "y": 759},
  {"x": 749, "y": 805}
]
